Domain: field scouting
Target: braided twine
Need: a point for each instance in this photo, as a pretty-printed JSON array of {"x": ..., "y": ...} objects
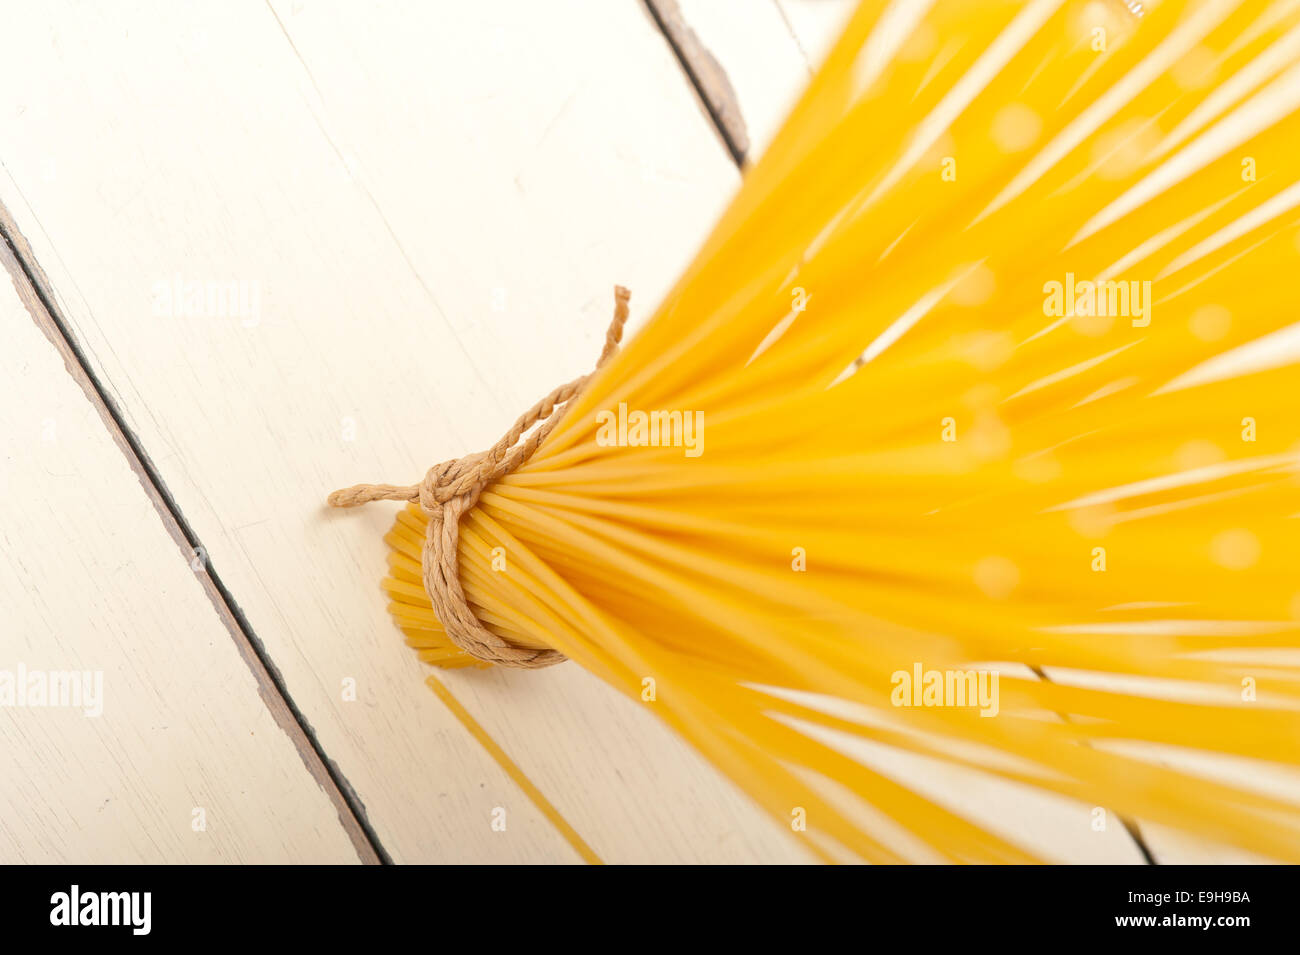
[{"x": 453, "y": 487}]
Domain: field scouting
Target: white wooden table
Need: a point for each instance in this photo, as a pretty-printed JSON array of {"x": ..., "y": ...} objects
[{"x": 261, "y": 250}]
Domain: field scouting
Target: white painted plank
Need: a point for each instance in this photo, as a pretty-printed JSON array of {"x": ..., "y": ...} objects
[
  {"x": 768, "y": 50},
  {"x": 428, "y": 205},
  {"x": 752, "y": 42},
  {"x": 170, "y": 754},
  {"x": 816, "y": 25}
]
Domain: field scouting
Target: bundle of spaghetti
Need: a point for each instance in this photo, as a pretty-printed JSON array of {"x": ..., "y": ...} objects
[{"x": 916, "y": 452}]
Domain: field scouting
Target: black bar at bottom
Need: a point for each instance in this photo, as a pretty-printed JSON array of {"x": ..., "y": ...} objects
[{"x": 333, "y": 905}]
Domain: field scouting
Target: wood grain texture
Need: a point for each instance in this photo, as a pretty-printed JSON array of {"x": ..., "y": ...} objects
[
  {"x": 816, "y": 25},
  {"x": 429, "y": 205},
  {"x": 170, "y": 728}
]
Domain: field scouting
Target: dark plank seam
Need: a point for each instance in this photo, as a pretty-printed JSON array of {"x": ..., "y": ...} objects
[
  {"x": 35, "y": 292},
  {"x": 706, "y": 76},
  {"x": 1130, "y": 825}
]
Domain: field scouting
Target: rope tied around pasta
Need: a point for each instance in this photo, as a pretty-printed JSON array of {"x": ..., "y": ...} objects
[{"x": 452, "y": 488}]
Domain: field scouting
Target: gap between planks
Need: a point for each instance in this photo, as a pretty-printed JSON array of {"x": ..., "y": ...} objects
[
  {"x": 706, "y": 75},
  {"x": 34, "y": 291}
]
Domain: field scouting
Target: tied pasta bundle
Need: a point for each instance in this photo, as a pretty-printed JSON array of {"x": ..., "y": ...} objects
[{"x": 971, "y": 437}]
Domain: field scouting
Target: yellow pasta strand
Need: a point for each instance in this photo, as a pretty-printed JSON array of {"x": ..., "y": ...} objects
[{"x": 992, "y": 365}]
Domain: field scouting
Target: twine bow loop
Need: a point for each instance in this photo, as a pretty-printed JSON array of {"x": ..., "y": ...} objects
[{"x": 453, "y": 487}]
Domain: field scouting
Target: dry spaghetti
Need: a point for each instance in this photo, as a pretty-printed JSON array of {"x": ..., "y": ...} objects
[{"x": 995, "y": 355}]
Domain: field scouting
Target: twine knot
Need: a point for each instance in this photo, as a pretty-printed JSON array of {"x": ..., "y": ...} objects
[
  {"x": 453, "y": 487},
  {"x": 443, "y": 482}
]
